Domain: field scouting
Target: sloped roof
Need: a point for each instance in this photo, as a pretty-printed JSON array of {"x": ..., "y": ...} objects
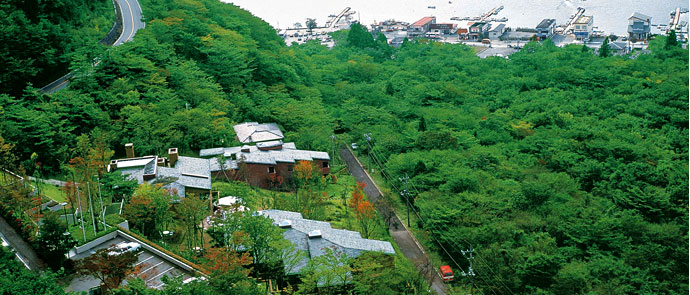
[
  {"x": 348, "y": 242},
  {"x": 423, "y": 21},
  {"x": 286, "y": 154},
  {"x": 640, "y": 16},
  {"x": 254, "y": 132},
  {"x": 188, "y": 172},
  {"x": 545, "y": 23}
]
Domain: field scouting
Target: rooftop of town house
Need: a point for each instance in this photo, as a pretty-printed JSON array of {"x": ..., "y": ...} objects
[
  {"x": 267, "y": 153},
  {"x": 640, "y": 16},
  {"x": 314, "y": 237},
  {"x": 424, "y": 21},
  {"x": 545, "y": 23},
  {"x": 254, "y": 132},
  {"x": 584, "y": 19},
  {"x": 188, "y": 172}
]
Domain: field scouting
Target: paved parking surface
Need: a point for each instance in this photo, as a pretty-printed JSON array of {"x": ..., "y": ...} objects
[{"x": 152, "y": 268}]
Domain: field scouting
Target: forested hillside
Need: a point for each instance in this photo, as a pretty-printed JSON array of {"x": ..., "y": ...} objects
[
  {"x": 565, "y": 171},
  {"x": 38, "y": 39}
]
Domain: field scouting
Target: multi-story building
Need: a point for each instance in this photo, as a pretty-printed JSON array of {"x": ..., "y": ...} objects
[
  {"x": 262, "y": 164},
  {"x": 545, "y": 28},
  {"x": 639, "y": 26},
  {"x": 582, "y": 27},
  {"x": 420, "y": 27}
]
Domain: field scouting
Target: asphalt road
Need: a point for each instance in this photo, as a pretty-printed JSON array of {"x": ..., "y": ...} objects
[
  {"x": 408, "y": 245},
  {"x": 152, "y": 268},
  {"x": 22, "y": 249},
  {"x": 131, "y": 20},
  {"x": 130, "y": 10}
]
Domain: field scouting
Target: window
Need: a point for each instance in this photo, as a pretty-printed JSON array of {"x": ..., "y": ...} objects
[
  {"x": 324, "y": 165},
  {"x": 271, "y": 169},
  {"x": 290, "y": 168}
]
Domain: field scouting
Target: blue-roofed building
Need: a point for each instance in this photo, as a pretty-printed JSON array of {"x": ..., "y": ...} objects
[
  {"x": 314, "y": 238},
  {"x": 178, "y": 174}
]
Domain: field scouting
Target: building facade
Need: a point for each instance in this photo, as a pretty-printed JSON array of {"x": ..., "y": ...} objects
[
  {"x": 583, "y": 26},
  {"x": 496, "y": 32},
  {"x": 546, "y": 28},
  {"x": 420, "y": 27},
  {"x": 263, "y": 165},
  {"x": 639, "y": 26},
  {"x": 479, "y": 30}
]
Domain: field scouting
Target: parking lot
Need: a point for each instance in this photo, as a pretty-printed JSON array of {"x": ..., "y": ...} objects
[{"x": 153, "y": 267}]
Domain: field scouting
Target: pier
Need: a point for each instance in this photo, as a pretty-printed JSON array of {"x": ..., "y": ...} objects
[
  {"x": 333, "y": 21},
  {"x": 484, "y": 17},
  {"x": 573, "y": 19}
]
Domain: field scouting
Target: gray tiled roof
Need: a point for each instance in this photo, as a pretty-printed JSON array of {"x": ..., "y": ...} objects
[
  {"x": 545, "y": 23},
  {"x": 348, "y": 242},
  {"x": 255, "y": 132},
  {"x": 639, "y": 16},
  {"x": 287, "y": 154},
  {"x": 188, "y": 172}
]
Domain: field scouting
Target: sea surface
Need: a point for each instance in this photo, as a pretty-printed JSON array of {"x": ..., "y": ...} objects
[{"x": 610, "y": 16}]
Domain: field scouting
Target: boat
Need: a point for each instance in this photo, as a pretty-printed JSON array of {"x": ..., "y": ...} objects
[{"x": 431, "y": 7}]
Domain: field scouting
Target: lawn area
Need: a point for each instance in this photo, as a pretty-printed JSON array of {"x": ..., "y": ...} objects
[
  {"x": 51, "y": 191},
  {"x": 78, "y": 235}
]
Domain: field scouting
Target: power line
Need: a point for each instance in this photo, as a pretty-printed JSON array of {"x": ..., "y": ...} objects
[{"x": 377, "y": 159}]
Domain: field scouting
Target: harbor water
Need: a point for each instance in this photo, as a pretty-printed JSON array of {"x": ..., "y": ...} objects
[{"x": 610, "y": 16}]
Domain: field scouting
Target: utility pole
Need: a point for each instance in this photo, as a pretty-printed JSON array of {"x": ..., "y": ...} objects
[
  {"x": 333, "y": 147},
  {"x": 93, "y": 219},
  {"x": 81, "y": 213},
  {"x": 100, "y": 196},
  {"x": 470, "y": 272},
  {"x": 367, "y": 136},
  {"x": 406, "y": 194}
]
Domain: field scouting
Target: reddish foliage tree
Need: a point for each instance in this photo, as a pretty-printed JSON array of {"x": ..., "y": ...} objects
[
  {"x": 364, "y": 210},
  {"x": 110, "y": 269},
  {"x": 225, "y": 260}
]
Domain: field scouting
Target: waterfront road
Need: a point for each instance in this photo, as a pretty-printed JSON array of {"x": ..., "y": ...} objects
[
  {"x": 130, "y": 10},
  {"x": 409, "y": 246},
  {"x": 22, "y": 249}
]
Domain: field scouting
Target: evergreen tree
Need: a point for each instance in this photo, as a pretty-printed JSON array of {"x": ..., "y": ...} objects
[
  {"x": 671, "y": 40},
  {"x": 605, "y": 49},
  {"x": 359, "y": 37}
]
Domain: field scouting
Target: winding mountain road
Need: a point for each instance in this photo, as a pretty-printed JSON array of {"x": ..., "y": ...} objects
[{"x": 130, "y": 12}]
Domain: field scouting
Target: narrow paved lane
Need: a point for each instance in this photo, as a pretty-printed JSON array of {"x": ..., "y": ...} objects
[
  {"x": 130, "y": 10},
  {"x": 408, "y": 245},
  {"x": 23, "y": 250},
  {"x": 131, "y": 20}
]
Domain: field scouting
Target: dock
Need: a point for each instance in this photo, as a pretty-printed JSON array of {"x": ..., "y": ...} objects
[
  {"x": 334, "y": 20},
  {"x": 484, "y": 17},
  {"x": 573, "y": 19}
]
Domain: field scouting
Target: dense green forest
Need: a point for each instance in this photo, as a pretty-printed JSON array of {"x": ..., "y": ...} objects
[
  {"x": 567, "y": 172},
  {"x": 38, "y": 39}
]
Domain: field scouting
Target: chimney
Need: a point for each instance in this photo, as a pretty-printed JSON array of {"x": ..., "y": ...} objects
[
  {"x": 113, "y": 166},
  {"x": 172, "y": 156},
  {"x": 314, "y": 234},
  {"x": 161, "y": 162},
  {"x": 129, "y": 150},
  {"x": 285, "y": 224}
]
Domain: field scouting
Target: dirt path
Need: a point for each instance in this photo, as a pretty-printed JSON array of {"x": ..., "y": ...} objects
[{"x": 409, "y": 246}]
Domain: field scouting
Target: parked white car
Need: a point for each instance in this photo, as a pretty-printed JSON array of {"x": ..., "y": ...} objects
[{"x": 124, "y": 247}]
